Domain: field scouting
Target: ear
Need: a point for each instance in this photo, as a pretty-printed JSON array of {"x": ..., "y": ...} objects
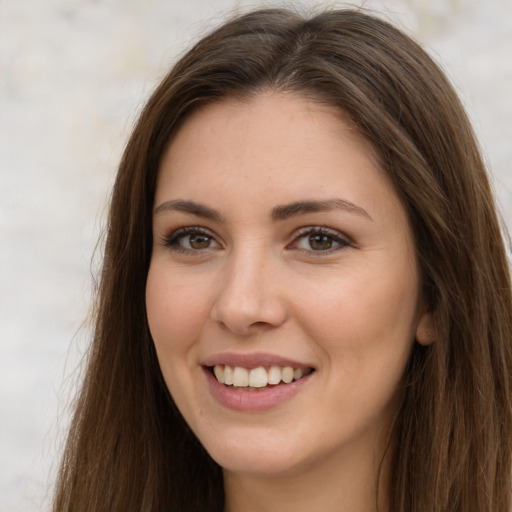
[{"x": 425, "y": 330}]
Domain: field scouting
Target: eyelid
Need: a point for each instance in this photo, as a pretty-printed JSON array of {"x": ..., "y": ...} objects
[
  {"x": 342, "y": 239},
  {"x": 173, "y": 237}
]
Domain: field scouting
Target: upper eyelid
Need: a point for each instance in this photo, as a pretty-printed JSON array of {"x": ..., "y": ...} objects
[
  {"x": 298, "y": 233},
  {"x": 188, "y": 230},
  {"x": 323, "y": 230},
  {"x": 340, "y": 238},
  {"x": 185, "y": 230}
]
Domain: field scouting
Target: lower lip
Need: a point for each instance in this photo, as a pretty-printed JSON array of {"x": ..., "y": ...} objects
[{"x": 253, "y": 401}]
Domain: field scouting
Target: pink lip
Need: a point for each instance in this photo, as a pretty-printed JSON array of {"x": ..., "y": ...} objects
[
  {"x": 254, "y": 401},
  {"x": 252, "y": 360}
]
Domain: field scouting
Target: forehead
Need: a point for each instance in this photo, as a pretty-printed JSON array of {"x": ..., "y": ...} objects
[
  {"x": 272, "y": 147},
  {"x": 268, "y": 129}
]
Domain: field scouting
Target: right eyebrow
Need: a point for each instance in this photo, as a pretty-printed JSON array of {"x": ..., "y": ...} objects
[{"x": 182, "y": 205}]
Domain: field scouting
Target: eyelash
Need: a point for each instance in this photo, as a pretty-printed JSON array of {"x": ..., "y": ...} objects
[
  {"x": 176, "y": 236},
  {"x": 173, "y": 240},
  {"x": 333, "y": 235}
]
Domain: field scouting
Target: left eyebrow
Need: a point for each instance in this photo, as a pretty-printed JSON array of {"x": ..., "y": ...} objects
[{"x": 285, "y": 211}]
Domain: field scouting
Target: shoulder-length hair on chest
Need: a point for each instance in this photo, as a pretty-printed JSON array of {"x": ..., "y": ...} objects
[{"x": 129, "y": 449}]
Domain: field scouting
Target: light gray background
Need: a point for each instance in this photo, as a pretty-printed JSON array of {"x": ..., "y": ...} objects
[{"x": 73, "y": 76}]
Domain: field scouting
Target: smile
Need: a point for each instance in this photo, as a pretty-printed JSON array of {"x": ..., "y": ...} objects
[
  {"x": 250, "y": 388},
  {"x": 257, "y": 379}
]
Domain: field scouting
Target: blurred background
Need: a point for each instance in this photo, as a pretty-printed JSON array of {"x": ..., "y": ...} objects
[{"x": 73, "y": 76}]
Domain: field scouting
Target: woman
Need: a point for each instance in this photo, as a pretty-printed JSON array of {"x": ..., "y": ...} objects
[{"x": 305, "y": 300}]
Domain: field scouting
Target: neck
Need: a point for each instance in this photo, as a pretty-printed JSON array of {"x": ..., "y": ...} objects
[{"x": 355, "y": 484}]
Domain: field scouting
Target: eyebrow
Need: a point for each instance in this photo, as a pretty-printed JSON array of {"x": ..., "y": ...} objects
[
  {"x": 286, "y": 211},
  {"x": 278, "y": 213},
  {"x": 197, "y": 209}
]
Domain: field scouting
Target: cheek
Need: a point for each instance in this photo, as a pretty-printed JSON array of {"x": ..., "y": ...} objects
[
  {"x": 176, "y": 315},
  {"x": 174, "y": 309},
  {"x": 364, "y": 321}
]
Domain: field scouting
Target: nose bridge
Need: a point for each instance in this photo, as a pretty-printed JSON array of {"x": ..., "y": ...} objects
[{"x": 248, "y": 297}]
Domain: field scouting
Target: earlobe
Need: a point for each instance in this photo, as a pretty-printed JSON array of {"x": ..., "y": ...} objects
[{"x": 425, "y": 330}]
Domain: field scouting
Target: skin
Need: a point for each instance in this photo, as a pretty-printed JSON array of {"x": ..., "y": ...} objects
[{"x": 254, "y": 283}]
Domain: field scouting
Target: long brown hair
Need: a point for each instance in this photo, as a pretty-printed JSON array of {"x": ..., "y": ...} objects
[{"x": 129, "y": 449}]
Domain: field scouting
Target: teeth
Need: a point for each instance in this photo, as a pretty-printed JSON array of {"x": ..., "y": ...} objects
[
  {"x": 274, "y": 375},
  {"x": 240, "y": 377},
  {"x": 219, "y": 373},
  {"x": 257, "y": 377},
  {"x": 287, "y": 374},
  {"x": 228, "y": 375}
]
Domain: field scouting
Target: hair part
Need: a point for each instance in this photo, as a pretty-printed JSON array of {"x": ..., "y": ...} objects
[{"x": 129, "y": 448}]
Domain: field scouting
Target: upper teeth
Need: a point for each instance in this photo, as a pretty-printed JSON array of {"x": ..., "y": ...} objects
[{"x": 256, "y": 377}]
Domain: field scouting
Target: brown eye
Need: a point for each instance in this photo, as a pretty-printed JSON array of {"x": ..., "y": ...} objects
[
  {"x": 199, "y": 241},
  {"x": 319, "y": 242},
  {"x": 191, "y": 240}
]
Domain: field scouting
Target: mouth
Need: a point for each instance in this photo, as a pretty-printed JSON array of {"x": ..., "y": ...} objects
[{"x": 257, "y": 379}]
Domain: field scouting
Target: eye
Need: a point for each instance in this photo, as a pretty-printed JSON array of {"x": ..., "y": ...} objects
[
  {"x": 319, "y": 239},
  {"x": 191, "y": 239}
]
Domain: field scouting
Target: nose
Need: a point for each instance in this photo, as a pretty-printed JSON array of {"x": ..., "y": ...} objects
[{"x": 249, "y": 299}]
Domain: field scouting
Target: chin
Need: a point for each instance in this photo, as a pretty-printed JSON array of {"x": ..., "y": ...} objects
[
  {"x": 258, "y": 463},
  {"x": 258, "y": 455}
]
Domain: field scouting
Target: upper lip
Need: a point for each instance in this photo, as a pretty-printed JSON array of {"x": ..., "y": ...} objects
[{"x": 252, "y": 360}]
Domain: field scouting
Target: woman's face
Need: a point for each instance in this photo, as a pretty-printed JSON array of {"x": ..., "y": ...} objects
[{"x": 281, "y": 251}]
